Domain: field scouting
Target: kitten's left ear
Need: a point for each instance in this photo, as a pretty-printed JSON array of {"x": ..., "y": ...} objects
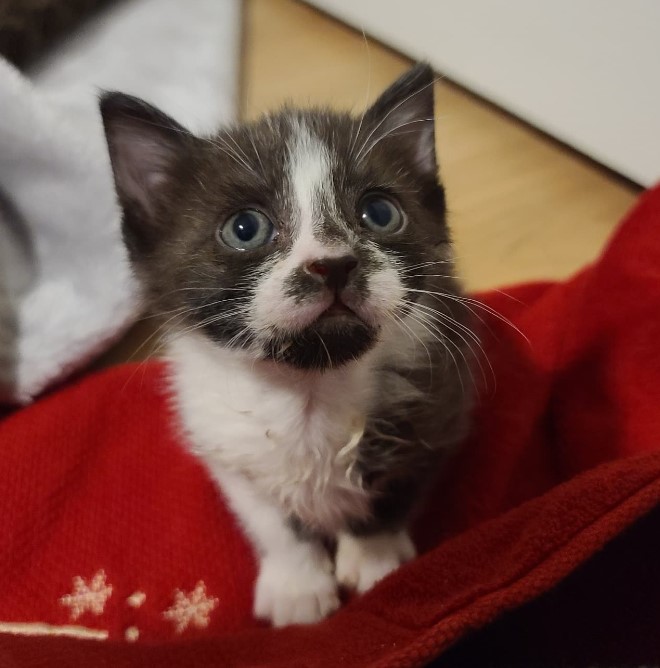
[{"x": 404, "y": 114}]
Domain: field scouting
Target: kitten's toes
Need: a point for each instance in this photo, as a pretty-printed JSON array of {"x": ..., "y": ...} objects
[
  {"x": 363, "y": 561},
  {"x": 289, "y": 592}
]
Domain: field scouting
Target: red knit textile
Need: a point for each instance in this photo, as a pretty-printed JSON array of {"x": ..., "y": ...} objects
[{"x": 96, "y": 492}]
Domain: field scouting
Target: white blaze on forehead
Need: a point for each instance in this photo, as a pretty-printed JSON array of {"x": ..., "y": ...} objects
[
  {"x": 312, "y": 195},
  {"x": 310, "y": 179}
]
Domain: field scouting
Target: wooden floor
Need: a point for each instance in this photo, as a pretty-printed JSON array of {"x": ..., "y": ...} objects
[{"x": 522, "y": 207}]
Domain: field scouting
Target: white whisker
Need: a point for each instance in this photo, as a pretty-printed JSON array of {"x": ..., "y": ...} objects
[
  {"x": 457, "y": 327},
  {"x": 367, "y": 96},
  {"x": 465, "y": 301},
  {"x": 391, "y": 111},
  {"x": 389, "y": 133}
]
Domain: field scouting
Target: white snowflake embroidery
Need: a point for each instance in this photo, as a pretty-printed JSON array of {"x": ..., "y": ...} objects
[
  {"x": 84, "y": 596},
  {"x": 191, "y": 608},
  {"x": 136, "y": 599}
]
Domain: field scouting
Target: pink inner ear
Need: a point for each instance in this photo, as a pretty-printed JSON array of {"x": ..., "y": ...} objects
[
  {"x": 155, "y": 179},
  {"x": 412, "y": 126},
  {"x": 140, "y": 164},
  {"x": 425, "y": 150}
]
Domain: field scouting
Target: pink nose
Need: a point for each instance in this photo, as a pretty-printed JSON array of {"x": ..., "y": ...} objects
[{"x": 334, "y": 272}]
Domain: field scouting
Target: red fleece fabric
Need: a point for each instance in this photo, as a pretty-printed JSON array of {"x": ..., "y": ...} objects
[{"x": 110, "y": 525}]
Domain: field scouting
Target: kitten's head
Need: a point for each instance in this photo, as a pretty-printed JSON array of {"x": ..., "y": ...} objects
[{"x": 298, "y": 237}]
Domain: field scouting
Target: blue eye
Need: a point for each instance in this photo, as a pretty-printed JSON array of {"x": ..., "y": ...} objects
[
  {"x": 380, "y": 214},
  {"x": 247, "y": 230}
]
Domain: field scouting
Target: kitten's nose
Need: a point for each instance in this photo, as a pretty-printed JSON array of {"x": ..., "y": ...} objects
[{"x": 334, "y": 272}]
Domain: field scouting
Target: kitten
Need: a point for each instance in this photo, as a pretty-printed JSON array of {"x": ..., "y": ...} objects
[{"x": 317, "y": 336}]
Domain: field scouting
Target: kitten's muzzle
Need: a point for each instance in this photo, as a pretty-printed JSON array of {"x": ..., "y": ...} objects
[{"x": 333, "y": 272}]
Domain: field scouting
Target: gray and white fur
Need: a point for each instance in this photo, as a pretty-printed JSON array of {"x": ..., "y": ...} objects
[{"x": 317, "y": 337}]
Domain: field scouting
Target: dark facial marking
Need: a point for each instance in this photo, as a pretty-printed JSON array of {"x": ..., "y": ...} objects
[{"x": 328, "y": 343}]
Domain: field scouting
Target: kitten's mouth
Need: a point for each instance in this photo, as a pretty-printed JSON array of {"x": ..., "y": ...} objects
[
  {"x": 337, "y": 336},
  {"x": 337, "y": 309}
]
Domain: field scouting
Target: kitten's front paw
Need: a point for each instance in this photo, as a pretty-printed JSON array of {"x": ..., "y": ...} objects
[
  {"x": 291, "y": 592},
  {"x": 363, "y": 561}
]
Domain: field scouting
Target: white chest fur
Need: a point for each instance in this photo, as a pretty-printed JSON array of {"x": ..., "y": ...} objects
[{"x": 291, "y": 434}]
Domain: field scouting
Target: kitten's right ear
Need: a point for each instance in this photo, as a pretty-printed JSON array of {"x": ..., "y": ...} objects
[
  {"x": 144, "y": 145},
  {"x": 403, "y": 115}
]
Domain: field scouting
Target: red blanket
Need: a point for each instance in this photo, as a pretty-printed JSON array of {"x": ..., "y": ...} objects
[{"x": 112, "y": 531}]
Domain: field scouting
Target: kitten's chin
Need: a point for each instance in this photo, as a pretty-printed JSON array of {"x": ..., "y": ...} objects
[{"x": 329, "y": 342}]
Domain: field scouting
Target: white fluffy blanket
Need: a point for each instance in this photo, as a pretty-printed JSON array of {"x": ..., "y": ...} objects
[{"x": 66, "y": 291}]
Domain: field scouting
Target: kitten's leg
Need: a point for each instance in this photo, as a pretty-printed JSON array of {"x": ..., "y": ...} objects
[
  {"x": 371, "y": 549},
  {"x": 363, "y": 560},
  {"x": 295, "y": 583}
]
